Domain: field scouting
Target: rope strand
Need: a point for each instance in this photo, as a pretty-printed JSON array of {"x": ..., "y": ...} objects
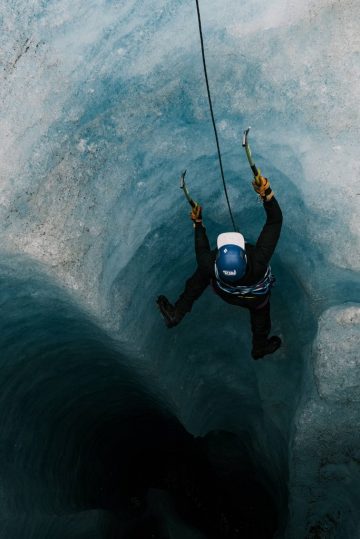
[{"x": 212, "y": 115}]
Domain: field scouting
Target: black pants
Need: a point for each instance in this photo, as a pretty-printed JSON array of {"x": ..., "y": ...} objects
[{"x": 259, "y": 307}]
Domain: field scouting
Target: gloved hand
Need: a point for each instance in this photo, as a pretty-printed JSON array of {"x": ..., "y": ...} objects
[
  {"x": 196, "y": 214},
  {"x": 262, "y": 187}
]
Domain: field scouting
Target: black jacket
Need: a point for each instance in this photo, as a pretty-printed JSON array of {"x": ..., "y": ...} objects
[{"x": 258, "y": 256}]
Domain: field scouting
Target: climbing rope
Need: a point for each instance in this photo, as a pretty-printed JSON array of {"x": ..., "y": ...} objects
[{"x": 212, "y": 115}]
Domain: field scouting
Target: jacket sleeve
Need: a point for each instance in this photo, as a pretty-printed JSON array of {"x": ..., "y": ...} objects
[
  {"x": 204, "y": 256},
  {"x": 270, "y": 233}
]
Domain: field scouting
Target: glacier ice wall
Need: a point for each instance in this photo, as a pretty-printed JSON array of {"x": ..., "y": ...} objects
[{"x": 103, "y": 104}]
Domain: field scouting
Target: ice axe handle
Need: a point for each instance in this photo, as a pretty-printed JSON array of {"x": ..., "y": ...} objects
[
  {"x": 183, "y": 186},
  {"x": 247, "y": 148}
]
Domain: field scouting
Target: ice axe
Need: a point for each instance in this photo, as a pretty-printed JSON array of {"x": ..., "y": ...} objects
[
  {"x": 183, "y": 186},
  {"x": 256, "y": 171}
]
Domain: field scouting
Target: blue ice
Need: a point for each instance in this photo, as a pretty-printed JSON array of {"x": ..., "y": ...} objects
[{"x": 103, "y": 104}]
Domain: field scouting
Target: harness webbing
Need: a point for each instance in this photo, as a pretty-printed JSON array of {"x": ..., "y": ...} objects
[
  {"x": 258, "y": 289},
  {"x": 212, "y": 116}
]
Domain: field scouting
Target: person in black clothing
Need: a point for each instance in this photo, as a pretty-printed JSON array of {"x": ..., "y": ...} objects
[{"x": 238, "y": 272}]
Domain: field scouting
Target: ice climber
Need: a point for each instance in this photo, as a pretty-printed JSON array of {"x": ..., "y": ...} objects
[{"x": 238, "y": 272}]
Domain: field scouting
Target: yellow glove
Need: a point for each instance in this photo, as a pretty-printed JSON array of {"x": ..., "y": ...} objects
[
  {"x": 196, "y": 214},
  {"x": 262, "y": 187}
]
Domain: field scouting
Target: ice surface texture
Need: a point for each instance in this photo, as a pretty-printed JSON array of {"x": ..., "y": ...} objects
[
  {"x": 102, "y": 105},
  {"x": 325, "y": 472}
]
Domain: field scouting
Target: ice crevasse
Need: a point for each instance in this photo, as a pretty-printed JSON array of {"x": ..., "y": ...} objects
[{"x": 111, "y": 425}]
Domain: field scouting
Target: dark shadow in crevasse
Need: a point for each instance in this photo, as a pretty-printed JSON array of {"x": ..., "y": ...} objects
[{"x": 86, "y": 446}]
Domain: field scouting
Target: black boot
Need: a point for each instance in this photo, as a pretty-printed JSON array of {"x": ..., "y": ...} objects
[
  {"x": 268, "y": 347},
  {"x": 169, "y": 312}
]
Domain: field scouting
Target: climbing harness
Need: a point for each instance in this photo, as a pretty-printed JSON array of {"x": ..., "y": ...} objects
[
  {"x": 256, "y": 171},
  {"x": 212, "y": 116},
  {"x": 259, "y": 289}
]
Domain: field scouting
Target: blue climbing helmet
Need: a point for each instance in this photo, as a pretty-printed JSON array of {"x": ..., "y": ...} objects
[{"x": 230, "y": 264}]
